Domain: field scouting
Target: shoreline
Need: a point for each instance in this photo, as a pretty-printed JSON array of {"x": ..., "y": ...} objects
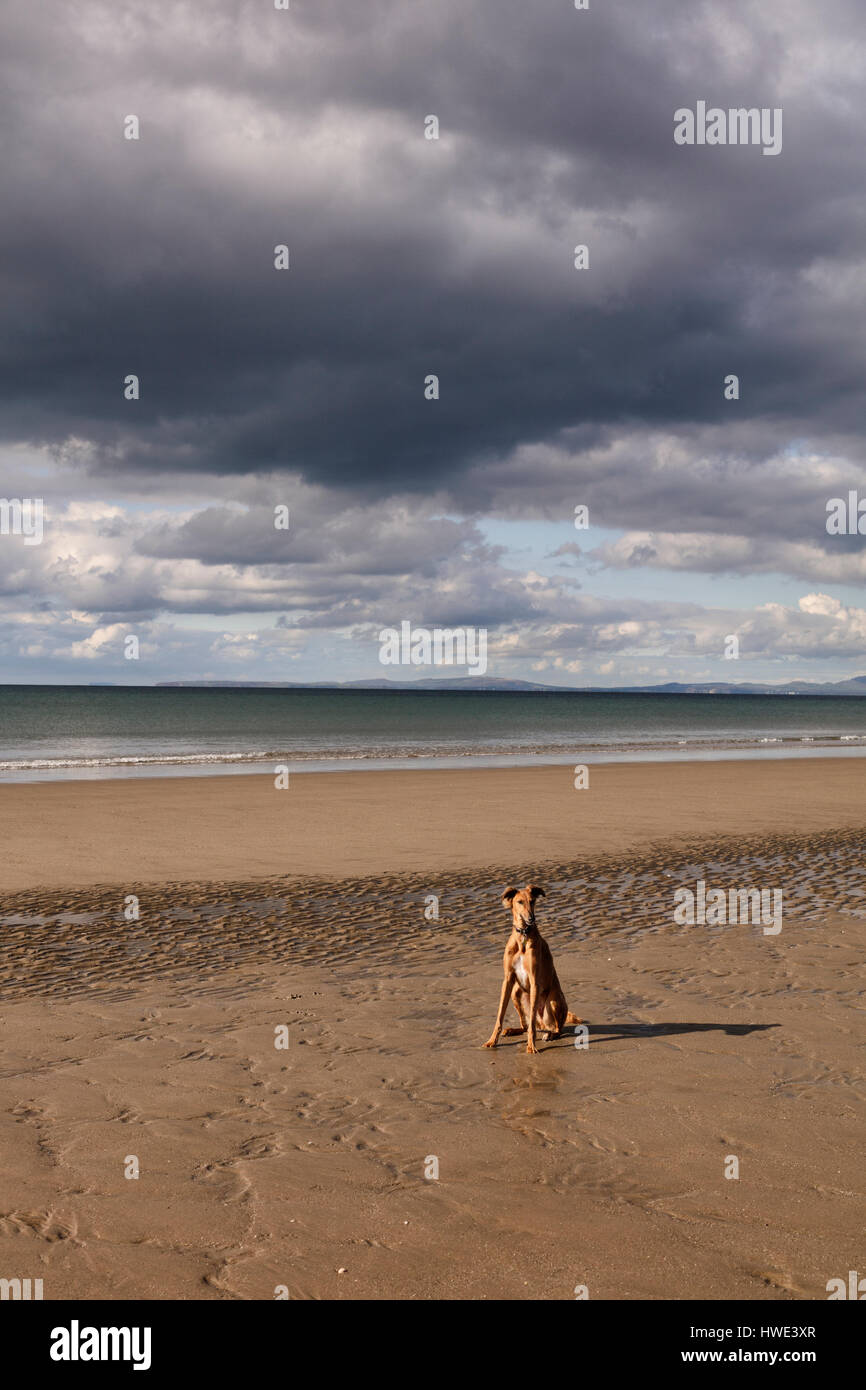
[{"x": 156, "y": 770}]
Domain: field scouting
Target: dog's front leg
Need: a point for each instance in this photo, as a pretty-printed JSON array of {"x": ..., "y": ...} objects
[
  {"x": 533, "y": 1005},
  {"x": 503, "y": 1005}
]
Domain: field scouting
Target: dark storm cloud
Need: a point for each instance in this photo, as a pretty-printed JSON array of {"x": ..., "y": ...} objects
[
  {"x": 347, "y": 540},
  {"x": 738, "y": 479},
  {"x": 412, "y": 257}
]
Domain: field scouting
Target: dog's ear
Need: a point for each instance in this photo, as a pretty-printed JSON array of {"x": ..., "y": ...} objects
[
  {"x": 507, "y": 896},
  {"x": 535, "y": 892}
]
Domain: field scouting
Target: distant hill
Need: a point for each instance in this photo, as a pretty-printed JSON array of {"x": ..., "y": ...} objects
[
  {"x": 426, "y": 683},
  {"x": 856, "y": 686}
]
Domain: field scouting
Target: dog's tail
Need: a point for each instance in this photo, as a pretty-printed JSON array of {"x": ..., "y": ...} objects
[{"x": 571, "y": 1019}]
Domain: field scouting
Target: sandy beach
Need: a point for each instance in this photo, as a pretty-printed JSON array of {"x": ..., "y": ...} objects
[
  {"x": 265, "y": 1168},
  {"x": 151, "y": 830}
]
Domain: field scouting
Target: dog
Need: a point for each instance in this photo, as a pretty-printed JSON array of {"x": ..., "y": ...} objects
[{"x": 530, "y": 979}]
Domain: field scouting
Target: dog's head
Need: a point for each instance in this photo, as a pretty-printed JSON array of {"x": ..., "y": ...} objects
[{"x": 522, "y": 904}]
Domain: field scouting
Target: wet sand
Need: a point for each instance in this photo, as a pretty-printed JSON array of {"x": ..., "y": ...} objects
[{"x": 265, "y": 1168}]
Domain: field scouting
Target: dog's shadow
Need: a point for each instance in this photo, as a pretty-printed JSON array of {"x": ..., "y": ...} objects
[
  {"x": 618, "y": 1032},
  {"x": 615, "y": 1032}
]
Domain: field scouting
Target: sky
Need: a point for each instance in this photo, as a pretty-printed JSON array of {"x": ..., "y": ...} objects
[{"x": 411, "y": 257}]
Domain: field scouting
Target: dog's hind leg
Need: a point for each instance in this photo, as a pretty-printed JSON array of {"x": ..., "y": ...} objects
[
  {"x": 543, "y": 1019},
  {"x": 554, "y": 1018}
]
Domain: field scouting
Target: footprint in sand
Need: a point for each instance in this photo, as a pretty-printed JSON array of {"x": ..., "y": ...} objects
[
  {"x": 230, "y": 1185},
  {"x": 780, "y": 1279},
  {"x": 43, "y": 1224}
]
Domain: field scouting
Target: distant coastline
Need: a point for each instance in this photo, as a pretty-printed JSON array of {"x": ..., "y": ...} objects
[{"x": 854, "y": 687}]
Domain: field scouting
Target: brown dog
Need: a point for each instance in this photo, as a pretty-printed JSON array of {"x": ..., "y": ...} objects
[{"x": 530, "y": 979}]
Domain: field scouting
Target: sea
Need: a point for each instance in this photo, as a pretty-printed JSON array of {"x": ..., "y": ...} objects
[{"x": 86, "y": 732}]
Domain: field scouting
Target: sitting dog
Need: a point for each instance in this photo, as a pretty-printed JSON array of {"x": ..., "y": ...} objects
[{"x": 530, "y": 979}]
